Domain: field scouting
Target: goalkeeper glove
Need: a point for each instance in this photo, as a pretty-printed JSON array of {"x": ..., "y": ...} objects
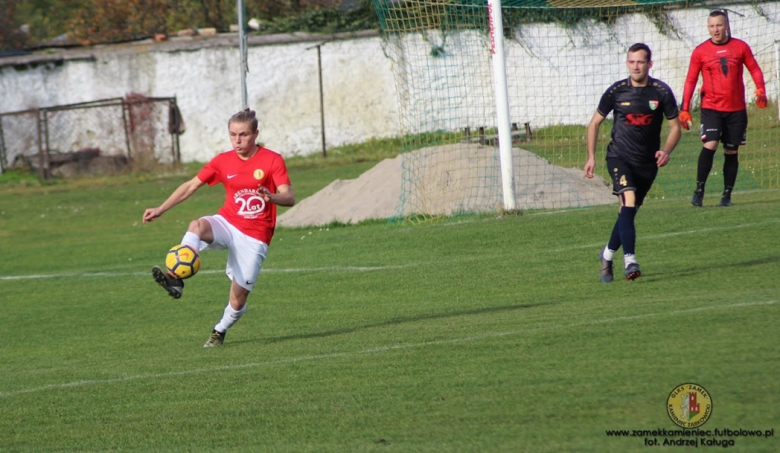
[
  {"x": 685, "y": 120},
  {"x": 760, "y": 98}
]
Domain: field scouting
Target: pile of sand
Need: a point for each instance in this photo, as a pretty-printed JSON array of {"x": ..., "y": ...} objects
[{"x": 444, "y": 177}]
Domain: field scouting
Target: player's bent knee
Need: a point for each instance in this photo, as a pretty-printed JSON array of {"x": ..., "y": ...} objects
[
  {"x": 197, "y": 227},
  {"x": 194, "y": 227}
]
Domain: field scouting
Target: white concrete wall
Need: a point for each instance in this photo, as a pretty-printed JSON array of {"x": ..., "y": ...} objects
[
  {"x": 282, "y": 86},
  {"x": 556, "y": 76}
]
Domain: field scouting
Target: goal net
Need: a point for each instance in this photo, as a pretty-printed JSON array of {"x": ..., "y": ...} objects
[{"x": 561, "y": 55}]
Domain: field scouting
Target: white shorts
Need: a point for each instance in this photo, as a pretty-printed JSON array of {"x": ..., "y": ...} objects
[{"x": 245, "y": 254}]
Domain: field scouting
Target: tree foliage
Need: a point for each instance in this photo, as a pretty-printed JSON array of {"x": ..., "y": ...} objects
[
  {"x": 11, "y": 37},
  {"x": 326, "y": 20},
  {"x": 103, "y": 21},
  {"x": 117, "y": 20}
]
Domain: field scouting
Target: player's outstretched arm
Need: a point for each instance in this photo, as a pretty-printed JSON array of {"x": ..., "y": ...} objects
[
  {"x": 181, "y": 193},
  {"x": 592, "y": 136}
]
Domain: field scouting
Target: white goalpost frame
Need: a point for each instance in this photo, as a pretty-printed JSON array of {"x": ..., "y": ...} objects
[{"x": 502, "y": 103}]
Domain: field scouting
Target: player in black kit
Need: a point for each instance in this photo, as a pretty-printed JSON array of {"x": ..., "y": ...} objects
[{"x": 639, "y": 105}]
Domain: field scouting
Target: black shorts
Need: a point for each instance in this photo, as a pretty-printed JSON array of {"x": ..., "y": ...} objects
[
  {"x": 729, "y": 128},
  {"x": 627, "y": 176}
]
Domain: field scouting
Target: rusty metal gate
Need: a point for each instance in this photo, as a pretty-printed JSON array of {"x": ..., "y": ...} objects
[{"x": 136, "y": 128}]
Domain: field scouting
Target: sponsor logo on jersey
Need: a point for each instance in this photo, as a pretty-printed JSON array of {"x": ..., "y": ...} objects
[
  {"x": 625, "y": 103},
  {"x": 250, "y": 203},
  {"x": 639, "y": 119}
]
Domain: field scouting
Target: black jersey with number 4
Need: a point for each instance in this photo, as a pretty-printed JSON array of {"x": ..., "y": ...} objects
[{"x": 638, "y": 115}]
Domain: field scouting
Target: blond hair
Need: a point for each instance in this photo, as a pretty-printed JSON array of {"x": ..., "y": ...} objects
[{"x": 246, "y": 116}]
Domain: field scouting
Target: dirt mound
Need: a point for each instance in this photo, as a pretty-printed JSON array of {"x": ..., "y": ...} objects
[{"x": 445, "y": 174}]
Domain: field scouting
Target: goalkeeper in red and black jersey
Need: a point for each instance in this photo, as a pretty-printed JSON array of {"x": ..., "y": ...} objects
[{"x": 720, "y": 60}]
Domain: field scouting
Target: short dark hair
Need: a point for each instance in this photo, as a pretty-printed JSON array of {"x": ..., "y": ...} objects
[
  {"x": 642, "y": 46},
  {"x": 245, "y": 116},
  {"x": 719, "y": 12}
]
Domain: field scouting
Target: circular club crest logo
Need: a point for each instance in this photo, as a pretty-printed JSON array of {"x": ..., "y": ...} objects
[
  {"x": 689, "y": 405},
  {"x": 259, "y": 174}
]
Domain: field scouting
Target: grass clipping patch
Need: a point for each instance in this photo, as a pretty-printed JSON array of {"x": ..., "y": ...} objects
[{"x": 447, "y": 180}]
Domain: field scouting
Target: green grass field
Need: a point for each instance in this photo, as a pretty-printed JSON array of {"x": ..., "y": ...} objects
[{"x": 471, "y": 334}]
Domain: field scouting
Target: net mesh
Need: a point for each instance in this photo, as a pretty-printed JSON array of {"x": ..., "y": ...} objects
[{"x": 560, "y": 58}]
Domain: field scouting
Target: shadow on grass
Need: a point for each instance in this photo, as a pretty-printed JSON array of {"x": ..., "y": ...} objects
[
  {"x": 677, "y": 273},
  {"x": 397, "y": 321}
]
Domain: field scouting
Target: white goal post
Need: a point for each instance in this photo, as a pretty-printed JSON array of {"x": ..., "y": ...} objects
[{"x": 502, "y": 104}]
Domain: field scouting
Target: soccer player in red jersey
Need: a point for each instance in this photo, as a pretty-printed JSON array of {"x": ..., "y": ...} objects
[
  {"x": 255, "y": 181},
  {"x": 720, "y": 60},
  {"x": 634, "y": 155}
]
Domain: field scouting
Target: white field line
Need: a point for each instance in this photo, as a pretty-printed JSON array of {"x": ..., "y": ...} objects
[
  {"x": 374, "y": 350},
  {"x": 375, "y": 268},
  {"x": 215, "y": 271},
  {"x": 678, "y": 233}
]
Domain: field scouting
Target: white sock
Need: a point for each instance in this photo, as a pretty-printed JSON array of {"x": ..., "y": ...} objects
[
  {"x": 608, "y": 254},
  {"x": 229, "y": 317},
  {"x": 192, "y": 240},
  {"x": 629, "y": 258}
]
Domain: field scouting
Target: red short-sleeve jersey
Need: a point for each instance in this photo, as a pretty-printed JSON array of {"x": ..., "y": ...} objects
[
  {"x": 721, "y": 66},
  {"x": 244, "y": 208}
]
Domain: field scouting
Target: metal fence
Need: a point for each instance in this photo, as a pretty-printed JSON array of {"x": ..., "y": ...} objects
[{"x": 137, "y": 129}]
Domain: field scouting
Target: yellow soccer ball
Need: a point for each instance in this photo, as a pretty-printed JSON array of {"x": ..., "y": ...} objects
[{"x": 182, "y": 261}]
